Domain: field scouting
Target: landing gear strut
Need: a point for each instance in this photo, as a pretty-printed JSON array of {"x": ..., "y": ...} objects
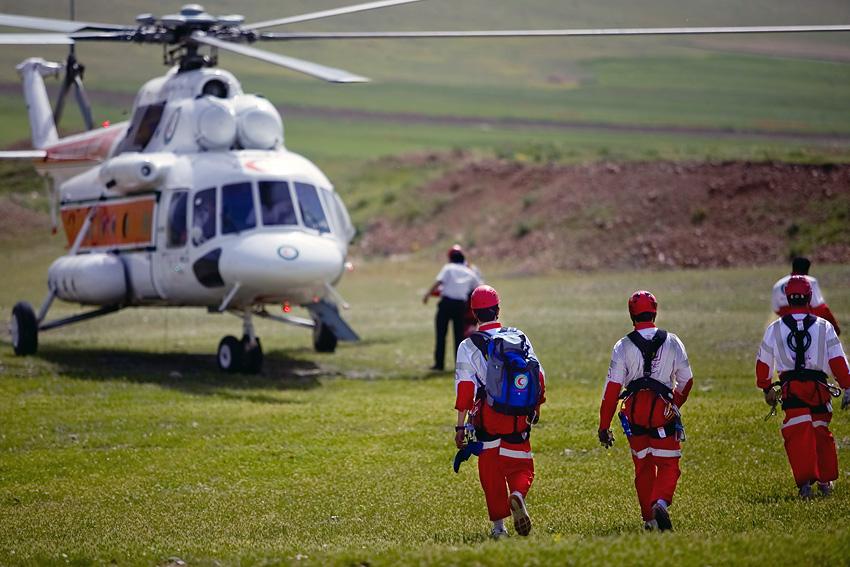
[{"x": 241, "y": 356}]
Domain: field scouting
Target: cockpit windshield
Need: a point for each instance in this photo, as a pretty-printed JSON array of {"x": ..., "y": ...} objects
[
  {"x": 311, "y": 207},
  {"x": 237, "y": 208},
  {"x": 276, "y": 204}
]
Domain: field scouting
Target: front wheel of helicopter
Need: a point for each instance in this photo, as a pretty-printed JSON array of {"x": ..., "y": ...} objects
[
  {"x": 324, "y": 339},
  {"x": 230, "y": 354},
  {"x": 24, "y": 329}
]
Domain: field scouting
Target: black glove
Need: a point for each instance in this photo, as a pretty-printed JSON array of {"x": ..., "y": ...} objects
[
  {"x": 606, "y": 438},
  {"x": 770, "y": 396}
]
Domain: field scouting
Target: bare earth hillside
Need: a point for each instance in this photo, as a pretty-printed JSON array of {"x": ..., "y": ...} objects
[{"x": 626, "y": 215}]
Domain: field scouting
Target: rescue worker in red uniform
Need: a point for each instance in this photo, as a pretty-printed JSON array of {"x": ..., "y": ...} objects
[
  {"x": 505, "y": 463},
  {"x": 650, "y": 372},
  {"x": 800, "y": 267},
  {"x": 803, "y": 348}
]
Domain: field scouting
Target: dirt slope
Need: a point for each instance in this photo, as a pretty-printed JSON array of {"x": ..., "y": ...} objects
[{"x": 631, "y": 215}]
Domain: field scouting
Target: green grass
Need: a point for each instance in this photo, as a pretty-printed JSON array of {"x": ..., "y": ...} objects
[
  {"x": 643, "y": 81},
  {"x": 343, "y": 148},
  {"x": 120, "y": 440},
  {"x": 692, "y": 89}
]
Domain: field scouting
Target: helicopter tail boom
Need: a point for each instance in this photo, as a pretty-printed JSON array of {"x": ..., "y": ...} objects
[{"x": 33, "y": 71}]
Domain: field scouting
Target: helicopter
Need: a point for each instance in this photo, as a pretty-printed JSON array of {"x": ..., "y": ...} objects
[{"x": 195, "y": 200}]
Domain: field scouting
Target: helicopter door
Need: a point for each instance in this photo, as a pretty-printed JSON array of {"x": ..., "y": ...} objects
[{"x": 173, "y": 272}]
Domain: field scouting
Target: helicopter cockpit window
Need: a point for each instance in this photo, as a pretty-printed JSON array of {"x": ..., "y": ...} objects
[
  {"x": 215, "y": 88},
  {"x": 142, "y": 127},
  {"x": 176, "y": 234},
  {"x": 203, "y": 216},
  {"x": 311, "y": 207},
  {"x": 343, "y": 220},
  {"x": 237, "y": 208},
  {"x": 276, "y": 203}
]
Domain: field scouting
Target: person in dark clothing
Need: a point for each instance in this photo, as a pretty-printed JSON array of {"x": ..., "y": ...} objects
[{"x": 455, "y": 282}]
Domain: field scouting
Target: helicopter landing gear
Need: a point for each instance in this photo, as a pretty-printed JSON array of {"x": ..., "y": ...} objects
[
  {"x": 230, "y": 354},
  {"x": 252, "y": 356},
  {"x": 24, "y": 329},
  {"x": 324, "y": 339},
  {"x": 241, "y": 356}
]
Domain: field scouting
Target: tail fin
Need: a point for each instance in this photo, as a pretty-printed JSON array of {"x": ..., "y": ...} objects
[{"x": 38, "y": 104}]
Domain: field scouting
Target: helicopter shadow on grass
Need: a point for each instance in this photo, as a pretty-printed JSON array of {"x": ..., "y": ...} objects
[{"x": 196, "y": 374}]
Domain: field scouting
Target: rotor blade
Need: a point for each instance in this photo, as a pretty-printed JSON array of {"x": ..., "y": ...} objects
[
  {"x": 50, "y": 24},
  {"x": 328, "y": 13},
  {"x": 553, "y": 33},
  {"x": 24, "y": 154},
  {"x": 35, "y": 39},
  {"x": 306, "y": 67}
]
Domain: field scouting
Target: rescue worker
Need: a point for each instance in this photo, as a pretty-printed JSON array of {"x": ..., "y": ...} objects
[
  {"x": 505, "y": 463},
  {"x": 650, "y": 372},
  {"x": 455, "y": 282},
  {"x": 803, "y": 348},
  {"x": 800, "y": 267}
]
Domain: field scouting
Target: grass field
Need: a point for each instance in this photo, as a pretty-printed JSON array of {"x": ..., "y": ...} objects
[{"x": 121, "y": 442}]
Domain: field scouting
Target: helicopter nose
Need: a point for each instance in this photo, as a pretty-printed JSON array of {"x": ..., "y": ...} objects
[{"x": 273, "y": 261}]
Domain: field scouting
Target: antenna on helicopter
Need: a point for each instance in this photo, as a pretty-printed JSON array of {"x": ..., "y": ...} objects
[{"x": 73, "y": 78}]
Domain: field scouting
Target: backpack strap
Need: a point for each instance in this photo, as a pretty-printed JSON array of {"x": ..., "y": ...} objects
[
  {"x": 799, "y": 340},
  {"x": 481, "y": 340},
  {"x": 648, "y": 348}
]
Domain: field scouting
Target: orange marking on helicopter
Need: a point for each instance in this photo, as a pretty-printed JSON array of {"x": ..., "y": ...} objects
[
  {"x": 124, "y": 223},
  {"x": 253, "y": 165}
]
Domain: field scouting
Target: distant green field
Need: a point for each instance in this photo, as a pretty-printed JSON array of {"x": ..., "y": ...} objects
[
  {"x": 466, "y": 61},
  {"x": 121, "y": 442},
  {"x": 638, "y": 81},
  {"x": 721, "y": 91}
]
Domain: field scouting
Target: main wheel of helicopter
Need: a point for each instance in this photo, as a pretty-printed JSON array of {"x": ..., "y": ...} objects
[
  {"x": 252, "y": 357},
  {"x": 24, "y": 329},
  {"x": 324, "y": 339},
  {"x": 230, "y": 351}
]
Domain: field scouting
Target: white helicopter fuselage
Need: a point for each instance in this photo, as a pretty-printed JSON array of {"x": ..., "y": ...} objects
[
  {"x": 194, "y": 202},
  {"x": 195, "y": 251}
]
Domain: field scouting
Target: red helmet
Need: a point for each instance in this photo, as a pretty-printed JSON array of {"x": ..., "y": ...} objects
[
  {"x": 798, "y": 287},
  {"x": 483, "y": 297},
  {"x": 642, "y": 302},
  {"x": 453, "y": 249}
]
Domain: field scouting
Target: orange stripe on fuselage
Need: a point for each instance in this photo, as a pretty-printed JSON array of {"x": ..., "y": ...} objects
[{"x": 125, "y": 223}]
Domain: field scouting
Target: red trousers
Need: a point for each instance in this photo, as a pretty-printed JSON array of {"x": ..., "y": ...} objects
[
  {"x": 810, "y": 446},
  {"x": 501, "y": 474},
  {"x": 656, "y": 470}
]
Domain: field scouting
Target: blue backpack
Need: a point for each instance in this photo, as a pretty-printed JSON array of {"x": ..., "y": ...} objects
[{"x": 512, "y": 381}]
